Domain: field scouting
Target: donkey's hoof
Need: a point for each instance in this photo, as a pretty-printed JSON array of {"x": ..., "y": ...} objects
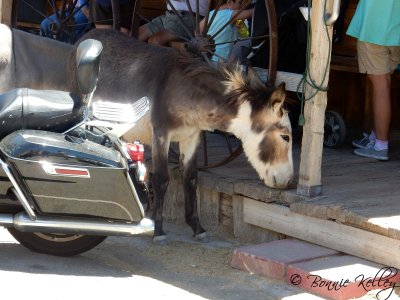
[
  {"x": 202, "y": 237},
  {"x": 160, "y": 239}
]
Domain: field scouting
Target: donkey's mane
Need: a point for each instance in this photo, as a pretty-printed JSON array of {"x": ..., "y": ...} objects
[
  {"x": 243, "y": 87},
  {"x": 194, "y": 67},
  {"x": 239, "y": 86}
]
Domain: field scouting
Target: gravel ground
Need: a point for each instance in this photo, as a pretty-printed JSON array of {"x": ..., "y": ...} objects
[{"x": 202, "y": 269}]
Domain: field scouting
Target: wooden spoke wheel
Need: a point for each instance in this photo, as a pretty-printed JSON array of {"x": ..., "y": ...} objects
[
  {"x": 62, "y": 15},
  {"x": 334, "y": 129},
  {"x": 202, "y": 44},
  {"x": 58, "y": 15}
]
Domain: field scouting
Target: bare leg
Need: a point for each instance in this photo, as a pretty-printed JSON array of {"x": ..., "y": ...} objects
[
  {"x": 381, "y": 104},
  {"x": 104, "y": 26},
  {"x": 189, "y": 160},
  {"x": 144, "y": 33},
  {"x": 162, "y": 38},
  {"x": 160, "y": 179},
  {"x": 125, "y": 30}
]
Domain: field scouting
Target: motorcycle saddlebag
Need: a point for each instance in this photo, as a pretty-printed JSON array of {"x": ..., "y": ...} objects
[{"x": 69, "y": 176}]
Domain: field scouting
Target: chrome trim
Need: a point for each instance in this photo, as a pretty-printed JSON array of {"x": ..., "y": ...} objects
[
  {"x": 85, "y": 118},
  {"x": 66, "y": 225},
  {"x": 94, "y": 201},
  {"x": 43, "y": 161},
  {"x": 6, "y": 220},
  {"x": 121, "y": 112},
  {"x": 133, "y": 190},
  {"x": 18, "y": 191}
]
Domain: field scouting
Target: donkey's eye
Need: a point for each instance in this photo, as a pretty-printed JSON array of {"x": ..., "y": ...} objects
[{"x": 285, "y": 137}]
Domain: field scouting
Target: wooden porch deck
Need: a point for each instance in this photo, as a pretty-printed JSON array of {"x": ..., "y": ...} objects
[{"x": 358, "y": 213}]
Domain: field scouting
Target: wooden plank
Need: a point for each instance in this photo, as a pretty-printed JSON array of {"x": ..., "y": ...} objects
[
  {"x": 354, "y": 241},
  {"x": 5, "y": 12},
  {"x": 314, "y": 111},
  {"x": 209, "y": 206},
  {"x": 225, "y": 210},
  {"x": 247, "y": 232}
]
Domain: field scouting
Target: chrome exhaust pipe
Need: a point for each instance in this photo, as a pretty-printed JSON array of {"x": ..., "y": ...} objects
[{"x": 22, "y": 222}]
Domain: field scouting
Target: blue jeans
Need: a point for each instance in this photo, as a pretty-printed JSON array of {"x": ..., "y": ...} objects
[{"x": 81, "y": 25}]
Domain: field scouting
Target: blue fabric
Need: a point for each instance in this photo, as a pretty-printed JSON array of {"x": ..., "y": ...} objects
[
  {"x": 108, "y": 2},
  {"x": 81, "y": 2},
  {"x": 228, "y": 34},
  {"x": 377, "y": 22},
  {"x": 81, "y": 26}
]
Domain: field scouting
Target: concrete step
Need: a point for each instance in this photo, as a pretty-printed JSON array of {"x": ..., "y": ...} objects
[{"x": 318, "y": 270}]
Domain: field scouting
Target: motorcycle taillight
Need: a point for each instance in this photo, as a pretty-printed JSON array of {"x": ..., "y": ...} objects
[{"x": 135, "y": 151}]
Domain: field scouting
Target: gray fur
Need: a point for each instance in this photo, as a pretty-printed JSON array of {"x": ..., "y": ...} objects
[{"x": 186, "y": 96}]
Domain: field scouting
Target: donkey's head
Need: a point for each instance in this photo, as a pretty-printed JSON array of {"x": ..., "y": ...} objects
[{"x": 263, "y": 126}]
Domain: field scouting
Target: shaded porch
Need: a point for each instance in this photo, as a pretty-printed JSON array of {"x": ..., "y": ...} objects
[{"x": 358, "y": 212}]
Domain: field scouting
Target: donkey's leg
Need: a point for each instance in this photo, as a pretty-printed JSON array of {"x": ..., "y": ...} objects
[
  {"x": 160, "y": 179},
  {"x": 188, "y": 152}
]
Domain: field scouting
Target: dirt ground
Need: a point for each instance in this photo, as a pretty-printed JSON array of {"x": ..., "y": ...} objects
[
  {"x": 132, "y": 267},
  {"x": 201, "y": 268},
  {"x": 181, "y": 268}
]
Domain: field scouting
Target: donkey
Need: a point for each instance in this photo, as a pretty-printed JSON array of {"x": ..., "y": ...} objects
[
  {"x": 31, "y": 61},
  {"x": 186, "y": 95}
]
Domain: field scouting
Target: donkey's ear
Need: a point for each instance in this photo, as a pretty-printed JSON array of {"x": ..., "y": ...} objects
[{"x": 277, "y": 97}]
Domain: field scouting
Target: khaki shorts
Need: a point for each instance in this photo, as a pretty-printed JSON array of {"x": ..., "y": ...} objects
[
  {"x": 377, "y": 60},
  {"x": 171, "y": 22}
]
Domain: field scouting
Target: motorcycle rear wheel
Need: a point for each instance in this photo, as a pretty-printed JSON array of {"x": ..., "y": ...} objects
[{"x": 56, "y": 244}]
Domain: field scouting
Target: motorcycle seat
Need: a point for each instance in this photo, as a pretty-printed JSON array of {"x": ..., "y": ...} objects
[{"x": 49, "y": 110}]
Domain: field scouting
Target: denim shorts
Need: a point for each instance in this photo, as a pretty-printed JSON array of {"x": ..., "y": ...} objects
[{"x": 170, "y": 21}]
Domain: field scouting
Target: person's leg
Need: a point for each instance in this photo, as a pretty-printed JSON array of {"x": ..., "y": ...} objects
[
  {"x": 180, "y": 27},
  {"x": 151, "y": 28},
  {"x": 162, "y": 38},
  {"x": 103, "y": 26},
  {"x": 101, "y": 16},
  {"x": 126, "y": 15},
  {"x": 82, "y": 24},
  {"x": 144, "y": 33},
  {"x": 381, "y": 103},
  {"x": 45, "y": 25},
  {"x": 374, "y": 60},
  {"x": 125, "y": 30},
  {"x": 240, "y": 51}
]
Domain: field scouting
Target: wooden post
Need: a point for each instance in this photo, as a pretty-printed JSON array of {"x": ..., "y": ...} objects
[
  {"x": 314, "y": 111},
  {"x": 5, "y": 11}
]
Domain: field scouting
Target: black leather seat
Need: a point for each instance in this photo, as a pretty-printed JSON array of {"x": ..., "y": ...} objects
[{"x": 50, "y": 110}]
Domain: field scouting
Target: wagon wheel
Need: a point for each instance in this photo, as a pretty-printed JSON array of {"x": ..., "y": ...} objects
[
  {"x": 61, "y": 17},
  {"x": 334, "y": 129},
  {"x": 134, "y": 30},
  {"x": 203, "y": 45},
  {"x": 63, "y": 28}
]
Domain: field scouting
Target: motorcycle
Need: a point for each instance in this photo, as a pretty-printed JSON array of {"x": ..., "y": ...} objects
[{"x": 67, "y": 179}]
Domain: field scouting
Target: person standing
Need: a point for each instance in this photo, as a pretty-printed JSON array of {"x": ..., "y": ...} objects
[{"x": 376, "y": 25}]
